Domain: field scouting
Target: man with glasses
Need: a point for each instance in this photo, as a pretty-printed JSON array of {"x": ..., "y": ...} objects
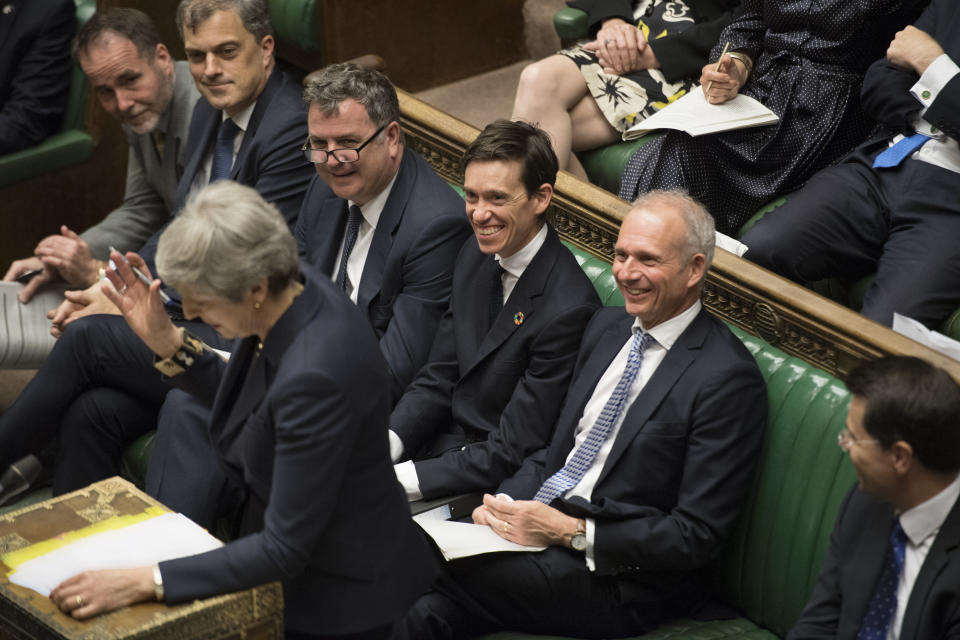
[
  {"x": 892, "y": 568},
  {"x": 380, "y": 222}
]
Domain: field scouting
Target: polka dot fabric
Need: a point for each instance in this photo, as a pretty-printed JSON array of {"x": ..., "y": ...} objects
[
  {"x": 883, "y": 604},
  {"x": 814, "y": 55}
]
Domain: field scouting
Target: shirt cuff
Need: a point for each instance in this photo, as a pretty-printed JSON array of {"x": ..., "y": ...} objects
[
  {"x": 396, "y": 446},
  {"x": 934, "y": 79},
  {"x": 588, "y": 554},
  {"x": 407, "y": 475}
]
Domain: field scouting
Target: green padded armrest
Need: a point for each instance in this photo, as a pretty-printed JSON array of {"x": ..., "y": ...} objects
[
  {"x": 604, "y": 166},
  {"x": 133, "y": 465},
  {"x": 296, "y": 22},
  {"x": 570, "y": 24},
  {"x": 57, "y": 151}
]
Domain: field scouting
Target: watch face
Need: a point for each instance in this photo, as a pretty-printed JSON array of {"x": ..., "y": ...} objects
[{"x": 578, "y": 542}]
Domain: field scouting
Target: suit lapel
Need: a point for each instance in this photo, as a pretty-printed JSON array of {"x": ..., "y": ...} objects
[
  {"x": 936, "y": 562},
  {"x": 223, "y": 415},
  {"x": 868, "y": 563},
  {"x": 209, "y": 119},
  {"x": 387, "y": 225},
  {"x": 263, "y": 102},
  {"x": 327, "y": 246},
  {"x": 680, "y": 356},
  {"x": 521, "y": 301},
  {"x": 581, "y": 390}
]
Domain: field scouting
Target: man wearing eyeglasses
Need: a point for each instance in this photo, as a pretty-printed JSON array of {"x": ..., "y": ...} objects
[
  {"x": 378, "y": 220},
  {"x": 892, "y": 568}
]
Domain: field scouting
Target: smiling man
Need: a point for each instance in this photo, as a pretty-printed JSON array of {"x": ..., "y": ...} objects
[
  {"x": 891, "y": 570},
  {"x": 649, "y": 464},
  {"x": 504, "y": 351},
  {"x": 137, "y": 82}
]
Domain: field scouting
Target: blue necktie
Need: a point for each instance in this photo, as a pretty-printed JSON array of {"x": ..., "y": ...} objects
[
  {"x": 883, "y": 604},
  {"x": 353, "y": 229},
  {"x": 223, "y": 152},
  {"x": 573, "y": 471},
  {"x": 894, "y": 155}
]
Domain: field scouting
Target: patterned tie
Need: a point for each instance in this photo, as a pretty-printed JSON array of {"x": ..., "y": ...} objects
[
  {"x": 496, "y": 293},
  {"x": 573, "y": 471},
  {"x": 894, "y": 155},
  {"x": 884, "y": 602},
  {"x": 223, "y": 151},
  {"x": 353, "y": 229}
]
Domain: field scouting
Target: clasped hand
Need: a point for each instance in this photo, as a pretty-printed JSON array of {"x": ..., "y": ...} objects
[
  {"x": 525, "y": 522},
  {"x": 621, "y": 48},
  {"x": 913, "y": 49}
]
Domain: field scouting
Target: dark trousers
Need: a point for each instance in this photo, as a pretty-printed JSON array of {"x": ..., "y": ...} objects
[
  {"x": 184, "y": 471},
  {"x": 551, "y": 592},
  {"x": 98, "y": 390},
  {"x": 851, "y": 220}
]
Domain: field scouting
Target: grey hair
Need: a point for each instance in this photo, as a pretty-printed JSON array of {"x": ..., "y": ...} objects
[
  {"x": 226, "y": 239},
  {"x": 333, "y": 84},
  {"x": 255, "y": 15},
  {"x": 701, "y": 232}
]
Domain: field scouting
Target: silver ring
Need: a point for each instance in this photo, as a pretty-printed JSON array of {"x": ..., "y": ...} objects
[
  {"x": 79, "y": 601},
  {"x": 124, "y": 289}
]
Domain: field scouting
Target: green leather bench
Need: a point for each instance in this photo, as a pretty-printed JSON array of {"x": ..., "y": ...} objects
[
  {"x": 72, "y": 145},
  {"x": 768, "y": 567}
]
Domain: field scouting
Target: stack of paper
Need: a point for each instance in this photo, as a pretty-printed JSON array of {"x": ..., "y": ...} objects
[
  {"x": 121, "y": 542},
  {"x": 693, "y": 114},
  {"x": 461, "y": 539},
  {"x": 25, "y": 339}
]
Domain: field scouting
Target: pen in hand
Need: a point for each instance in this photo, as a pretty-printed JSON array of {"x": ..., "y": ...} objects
[
  {"x": 717, "y": 68},
  {"x": 142, "y": 277}
]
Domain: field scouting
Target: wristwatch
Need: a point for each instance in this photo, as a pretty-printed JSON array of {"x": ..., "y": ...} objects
[{"x": 579, "y": 540}]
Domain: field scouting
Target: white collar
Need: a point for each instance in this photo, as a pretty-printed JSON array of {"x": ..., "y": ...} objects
[
  {"x": 516, "y": 264},
  {"x": 924, "y": 519},
  {"x": 242, "y": 119},
  {"x": 667, "y": 332},
  {"x": 372, "y": 210}
]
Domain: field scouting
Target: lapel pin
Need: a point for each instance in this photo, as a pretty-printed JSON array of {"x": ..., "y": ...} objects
[{"x": 518, "y": 318}]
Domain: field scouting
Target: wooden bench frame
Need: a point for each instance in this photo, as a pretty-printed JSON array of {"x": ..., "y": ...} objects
[{"x": 784, "y": 314}]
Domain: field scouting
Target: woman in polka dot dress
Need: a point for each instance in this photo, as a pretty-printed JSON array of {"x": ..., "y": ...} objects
[{"x": 803, "y": 59}]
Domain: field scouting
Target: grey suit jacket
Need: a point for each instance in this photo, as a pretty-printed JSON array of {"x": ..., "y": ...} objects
[{"x": 148, "y": 202}]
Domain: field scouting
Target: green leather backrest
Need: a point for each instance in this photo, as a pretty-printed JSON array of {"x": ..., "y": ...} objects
[
  {"x": 296, "y": 22},
  {"x": 76, "y": 100},
  {"x": 769, "y": 565}
]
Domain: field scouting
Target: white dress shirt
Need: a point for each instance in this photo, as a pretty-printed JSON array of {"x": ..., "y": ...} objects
[
  {"x": 513, "y": 267},
  {"x": 665, "y": 334},
  {"x": 370, "y": 213},
  {"x": 942, "y": 150},
  {"x": 921, "y": 524},
  {"x": 242, "y": 120}
]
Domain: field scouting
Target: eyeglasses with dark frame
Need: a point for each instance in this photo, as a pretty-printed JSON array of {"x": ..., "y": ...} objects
[{"x": 345, "y": 156}]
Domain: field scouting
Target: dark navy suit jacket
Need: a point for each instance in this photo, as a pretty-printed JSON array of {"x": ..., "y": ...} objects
[
  {"x": 35, "y": 69},
  {"x": 856, "y": 556},
  {"x": 269, "y": 158},
  {"x": 681, "y": 465},
  {"x": 406, "y": 280},
  {"x": 489, "y": 395},
  {"x": 301, "y": 428}
]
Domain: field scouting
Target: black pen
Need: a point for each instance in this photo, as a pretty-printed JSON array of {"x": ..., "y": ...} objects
[{"x": 27, "y": 276}]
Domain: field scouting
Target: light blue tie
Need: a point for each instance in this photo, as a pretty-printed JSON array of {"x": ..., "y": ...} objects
[
  {"x": 893, "y": 156},
  {"x": 223, "y": 152},
  {"x": 573, "y": 471},
  {"x": 883, "y": 604}
]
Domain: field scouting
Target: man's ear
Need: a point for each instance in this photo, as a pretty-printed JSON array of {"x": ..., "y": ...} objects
[
  {"x": 901, "y": 456},
  {"x": 541, "y": 197}
]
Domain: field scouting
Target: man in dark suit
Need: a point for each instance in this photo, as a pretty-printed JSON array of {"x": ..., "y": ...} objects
[
  {"x": 504, "y": 351},
  {"x": 892, "y": 568},
  {"x": 407, "y": 230},
  {"x": 98, "y": 385},
  {"x": 137, "y": 82},
  {"x": 35, "y": 69},
  {"x": 893, "y": 206},
  {"x": 643, "y": 479}
]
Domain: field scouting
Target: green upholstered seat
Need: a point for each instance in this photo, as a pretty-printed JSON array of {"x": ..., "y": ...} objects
[
  {"x": 295, "y": 22},
  {"x": 768, "y": 567},
  {"x": 71, "y": 145}
]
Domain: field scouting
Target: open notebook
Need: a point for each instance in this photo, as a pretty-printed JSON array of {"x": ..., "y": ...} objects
[{"x": 694, "y": 115}]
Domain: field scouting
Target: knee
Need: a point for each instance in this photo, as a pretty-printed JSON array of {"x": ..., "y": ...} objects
[{"x": 542, "y": 79}]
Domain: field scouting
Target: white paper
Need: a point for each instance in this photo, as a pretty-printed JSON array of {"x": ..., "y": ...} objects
[
  {"x": 462, "y": 539},
  {"x": 919, "y": 333},
  {"x": 732, "y": 245},
  {"x": 145, "y": 543},
  {"x": 693, "y": 114},
  {"x": 25, "y": 339}
]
